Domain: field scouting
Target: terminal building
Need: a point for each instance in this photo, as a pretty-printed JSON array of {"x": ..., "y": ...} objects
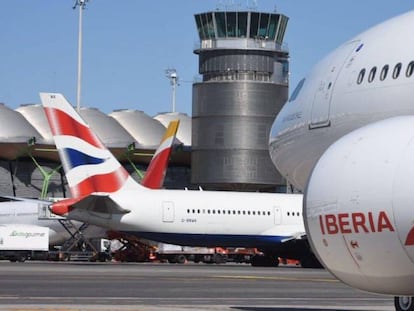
[
  {"x": 30, "y": 165},
  {"x": 223, "y": 146},
  {"x": 244, "y": 68}
]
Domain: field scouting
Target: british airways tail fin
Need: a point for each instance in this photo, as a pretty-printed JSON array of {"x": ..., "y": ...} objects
[
  {"x": 89, "y": 166},
  {"x": 155, "y": 175}
]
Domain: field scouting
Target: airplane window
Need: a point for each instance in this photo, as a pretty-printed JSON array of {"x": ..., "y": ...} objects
[
  {"x": 268, "y": 213},
  {"x": 384, "y": 72},
  {"x": 410, "y": 69},
  {"x": 396, "y": 71},
  {"x": 254, "y": 213},
  {"x": 258, "y": 213},
  {"x": 296, "y": 91},
  {"x": 238, "y": 212},
  {"x": 214, "y": 211},
  {"x": 361, "y": 76},
  {"x": 288, "y": 213},
  {"x": 248, "y": 212},
  {"x": 188, "y": 211},
  {"x": 208, "y": 211},
  {"x": 218, "y": 212},
  {"x": 372, "y": 74}
]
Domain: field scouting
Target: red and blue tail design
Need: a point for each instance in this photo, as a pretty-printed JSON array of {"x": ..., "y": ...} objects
[{"x": 88, "y": 165}]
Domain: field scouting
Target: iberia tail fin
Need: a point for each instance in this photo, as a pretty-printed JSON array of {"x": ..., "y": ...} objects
[
  {"x": 155, "y": 175},
  {"x": 89, "y": 166}
]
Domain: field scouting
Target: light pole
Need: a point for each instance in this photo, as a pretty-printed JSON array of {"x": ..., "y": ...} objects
[
  {"x": 171, "y": 74},
  {"x": 81, "y": 4}
]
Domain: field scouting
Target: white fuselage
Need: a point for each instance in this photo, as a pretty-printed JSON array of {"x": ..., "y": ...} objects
[
  {"x": 331, "y": 103},
  {"x": 340, "y": 140},
  {"x": 205, "y": 218}
]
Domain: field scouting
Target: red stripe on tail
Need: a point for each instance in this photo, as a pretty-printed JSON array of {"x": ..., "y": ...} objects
[{"x": 63, "y": 124}]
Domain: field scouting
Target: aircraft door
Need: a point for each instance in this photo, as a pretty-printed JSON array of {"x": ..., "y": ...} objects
[
  {"x": 168, "y": 212},
  {"x": 278, "y": 215},
  {"x": 322, "y": 100}
]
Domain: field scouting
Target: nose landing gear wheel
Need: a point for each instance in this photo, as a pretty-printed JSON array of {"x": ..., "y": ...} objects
[{"x": 404, "y": 303}]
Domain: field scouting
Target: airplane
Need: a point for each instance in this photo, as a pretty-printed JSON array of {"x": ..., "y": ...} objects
[
  {"x": 18, "y": 210},
  {"x": 345, "y": 138},
  {"x": 104, "y": 194}
]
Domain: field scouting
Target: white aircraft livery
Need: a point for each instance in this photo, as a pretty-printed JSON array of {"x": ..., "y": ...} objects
[
  {"x": 23, "y": 211},
  {"x": 105, "y": 195},
  {"x": 346, "y": 138}
]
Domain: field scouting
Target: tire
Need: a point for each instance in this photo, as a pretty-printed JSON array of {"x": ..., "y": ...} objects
[
  {"x": 264, "y": 261},
  {"x": 219, "y": 259},
  {"x": 180, "y": 259},
  {"x": 310, "y": 261},
  {"x": 404, "y": 303},
  {"x": 22, "y": 258}
]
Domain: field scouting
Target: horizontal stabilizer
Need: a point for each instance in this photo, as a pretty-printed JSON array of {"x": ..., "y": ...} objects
[
  {"x": 100, "y": 204},
  {"x": 94, "y": 203}
]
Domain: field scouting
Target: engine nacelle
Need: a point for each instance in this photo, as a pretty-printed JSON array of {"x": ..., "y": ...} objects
[{"x": 359, "y": 207}]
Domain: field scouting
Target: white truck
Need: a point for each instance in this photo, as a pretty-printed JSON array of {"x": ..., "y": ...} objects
[
  {"x": 181, "y": 254},
  {"x": 21, "y": 242}
]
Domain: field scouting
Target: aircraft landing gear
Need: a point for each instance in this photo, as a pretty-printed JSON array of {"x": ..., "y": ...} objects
[
  {"x": 404, "y": 303},
  {"x": 264, "y": 261}
]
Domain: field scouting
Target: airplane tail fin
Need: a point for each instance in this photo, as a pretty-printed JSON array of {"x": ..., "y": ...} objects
[
  {"x": 89, "y": 166},
  {"x": 155, "y": 175}
]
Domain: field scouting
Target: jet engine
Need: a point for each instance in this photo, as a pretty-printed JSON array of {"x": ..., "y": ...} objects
[{"x": 359, "y": 207}]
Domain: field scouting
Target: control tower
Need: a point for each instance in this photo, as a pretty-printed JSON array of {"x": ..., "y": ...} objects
[{"x": 244, "y": 70}]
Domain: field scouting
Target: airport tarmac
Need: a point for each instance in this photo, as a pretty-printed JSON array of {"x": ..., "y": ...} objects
[{"x": 39, "y": 286}]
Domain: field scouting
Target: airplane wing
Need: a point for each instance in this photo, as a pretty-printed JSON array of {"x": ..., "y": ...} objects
[{"x": 295, "y": 236}]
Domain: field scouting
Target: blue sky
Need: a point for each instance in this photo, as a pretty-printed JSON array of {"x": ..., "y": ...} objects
[{"x": 128, "y": 44}]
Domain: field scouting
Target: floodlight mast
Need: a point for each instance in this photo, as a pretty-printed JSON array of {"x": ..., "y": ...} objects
[
  {"x": 81, "y": 4},
  {"x": 171, "y": 74}
]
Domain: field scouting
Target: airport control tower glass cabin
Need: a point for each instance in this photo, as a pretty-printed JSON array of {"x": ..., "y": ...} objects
[{"x": 244, "y": 70}]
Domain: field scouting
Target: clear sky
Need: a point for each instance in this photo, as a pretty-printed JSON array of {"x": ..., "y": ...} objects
[{"x": 128, "y": 44}]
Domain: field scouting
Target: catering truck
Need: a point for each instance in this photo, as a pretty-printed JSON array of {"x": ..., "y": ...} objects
[{"x": 21, "y": 242}]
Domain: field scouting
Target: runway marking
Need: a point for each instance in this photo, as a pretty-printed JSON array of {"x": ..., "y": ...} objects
[{"x": 274, "y": 278}]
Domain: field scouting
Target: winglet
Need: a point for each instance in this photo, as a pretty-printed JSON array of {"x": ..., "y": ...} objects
[{"x": 155, "y": 175}]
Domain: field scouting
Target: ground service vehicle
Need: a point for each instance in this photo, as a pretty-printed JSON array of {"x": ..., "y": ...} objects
[{"x": 21, "y": 242}]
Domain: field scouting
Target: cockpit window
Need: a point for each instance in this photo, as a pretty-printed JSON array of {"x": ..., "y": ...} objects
[{"x": 297, "y": 90}]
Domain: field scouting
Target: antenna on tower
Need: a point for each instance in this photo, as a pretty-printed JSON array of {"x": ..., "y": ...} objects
[
  {"x": 171, "y": 74},
  {"x": 81, "y": 4}
]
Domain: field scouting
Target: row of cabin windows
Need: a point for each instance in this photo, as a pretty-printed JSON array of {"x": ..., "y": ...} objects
[
  {"x": 228, "y": 212},
  {"x": 234, "y": 212},
  {"x": 384, "y": 72}
]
